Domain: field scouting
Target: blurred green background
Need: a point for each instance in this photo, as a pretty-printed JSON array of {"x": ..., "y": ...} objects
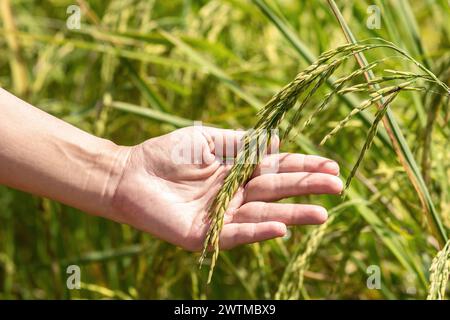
[{"x": 137, "y": 69}]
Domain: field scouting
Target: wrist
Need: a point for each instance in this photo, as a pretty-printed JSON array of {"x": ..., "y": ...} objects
[{"x": 106, "y": 163}]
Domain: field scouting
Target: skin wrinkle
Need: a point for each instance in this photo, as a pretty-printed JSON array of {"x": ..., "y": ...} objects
[
  {"x": 209, "y": 141},
  {"x": 305, "y": 182},
  {"x": 303, "y": 161},
  {"x": 114, "y": 197},
  {"x": 115, "y": 167},
  {"x": 180, "y": 183}
]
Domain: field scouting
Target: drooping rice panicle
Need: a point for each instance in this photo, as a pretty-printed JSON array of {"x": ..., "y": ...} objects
[
  {"x": 439, "y": 274},
  {"x": 375, "y": 96},
  {"x": 289, "y": 288},
  {"x": 339, "y": 83},
  {"x": 297, "y": 114},
  {"x": 303, "y": 87},
  {"x": 371, "y": 134},
  {"x": 270, "y": 118},
  {"x": 292, "y": 280}
]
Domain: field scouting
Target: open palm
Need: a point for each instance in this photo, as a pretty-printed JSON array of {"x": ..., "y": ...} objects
[{"x": 166, "y": 193}]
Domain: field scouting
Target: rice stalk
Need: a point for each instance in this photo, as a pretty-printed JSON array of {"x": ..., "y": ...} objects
[{"x": 439, "y": 274}]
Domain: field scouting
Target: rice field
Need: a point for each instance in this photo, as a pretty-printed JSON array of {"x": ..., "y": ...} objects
[{"x": 361, "y": 82}]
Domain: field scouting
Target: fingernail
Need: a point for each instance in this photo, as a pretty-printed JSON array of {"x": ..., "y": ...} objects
[
  {"x": 332, "y": 167},
  {"x": 338, "y": 186},
  {"x": 322, "y": 215}
]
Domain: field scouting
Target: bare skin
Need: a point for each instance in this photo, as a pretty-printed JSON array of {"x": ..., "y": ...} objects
[{"x": 144, "y": 187}]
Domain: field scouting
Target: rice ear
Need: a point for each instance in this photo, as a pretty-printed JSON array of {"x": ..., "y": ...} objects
[
  {"x": 439, "y": 274},
  {"x": 303, "y": 87}
]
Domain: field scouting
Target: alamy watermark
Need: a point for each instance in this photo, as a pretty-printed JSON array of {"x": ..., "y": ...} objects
[
  {"x": 73, "y": 21},
  {"x": 374, "y": 19},
  {"x": 74, "y": 279},
  {"x": 374, "y": 277}
]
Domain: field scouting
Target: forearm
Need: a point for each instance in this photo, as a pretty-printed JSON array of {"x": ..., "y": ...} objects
[{"x": 45, "y": 156}]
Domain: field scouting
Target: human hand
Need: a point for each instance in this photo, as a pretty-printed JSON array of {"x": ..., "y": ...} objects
[
  {"x": 170, "y": 200},
  {"x": 146, "y": 186}
]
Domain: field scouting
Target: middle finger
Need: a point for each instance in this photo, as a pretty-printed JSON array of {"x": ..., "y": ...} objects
[{"x": 272, "y": 187}]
